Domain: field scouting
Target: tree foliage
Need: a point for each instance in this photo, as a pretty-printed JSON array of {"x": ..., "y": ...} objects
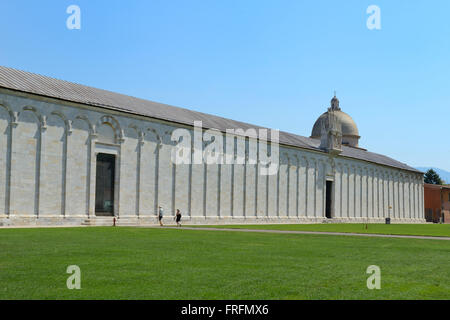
[{"x": 432, "y": 177}]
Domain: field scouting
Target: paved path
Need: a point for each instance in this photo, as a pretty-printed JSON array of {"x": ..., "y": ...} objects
[
  {"x": 314, "y": 232},
  {"x": 251, "y": 230}
]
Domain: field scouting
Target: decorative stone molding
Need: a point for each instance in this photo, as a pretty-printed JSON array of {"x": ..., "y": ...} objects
[
  {"x": 67, "y": 123},
  {"x": 42, "y": 120},
  {"x": 159, "y": 141},
  {"x": 12, "y": 115},
  {"x": 110, "y": 120},
  {"x": 140, "y": 134},
  {"x": 84, "y": 118}
]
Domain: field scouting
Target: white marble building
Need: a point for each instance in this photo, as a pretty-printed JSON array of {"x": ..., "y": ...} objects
[{"x": 71, "y": 153}]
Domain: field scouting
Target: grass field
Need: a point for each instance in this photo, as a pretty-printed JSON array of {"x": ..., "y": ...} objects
[
  {"x": 151, "y": 263},
  {"x": 442, "y": 230}
]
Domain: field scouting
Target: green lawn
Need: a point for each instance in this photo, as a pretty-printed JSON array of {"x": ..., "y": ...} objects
[
  {"x": 150, "y": 263},
  {"x": 442, "y": 230}
]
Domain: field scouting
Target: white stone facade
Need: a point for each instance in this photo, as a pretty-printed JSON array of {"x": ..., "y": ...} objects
[{"x": 48, "y": 167}]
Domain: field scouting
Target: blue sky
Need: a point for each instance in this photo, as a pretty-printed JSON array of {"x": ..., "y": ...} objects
[{"x": 272, "y": 63}]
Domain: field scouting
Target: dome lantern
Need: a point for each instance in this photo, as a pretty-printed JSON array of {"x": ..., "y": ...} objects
[{"x": 335, "y": 103}]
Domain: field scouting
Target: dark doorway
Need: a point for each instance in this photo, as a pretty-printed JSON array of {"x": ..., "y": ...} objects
[
  {"x": 104, "y": 186},
  {"x": 329, "y": 199}
]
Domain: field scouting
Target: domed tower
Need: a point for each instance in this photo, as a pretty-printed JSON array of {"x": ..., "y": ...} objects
[{"x": 350, "y": 134}]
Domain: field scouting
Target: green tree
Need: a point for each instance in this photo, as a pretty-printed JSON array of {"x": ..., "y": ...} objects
[{"x": 432, "y": 177}]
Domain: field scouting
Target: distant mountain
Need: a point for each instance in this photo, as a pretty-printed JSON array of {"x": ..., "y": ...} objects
[{"x": 445, "y": 175}]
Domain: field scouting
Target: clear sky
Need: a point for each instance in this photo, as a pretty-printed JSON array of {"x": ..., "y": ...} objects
[{"x": 271, "y": 63}]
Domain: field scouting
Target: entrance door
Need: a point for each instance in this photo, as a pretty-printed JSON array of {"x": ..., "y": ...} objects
[
  {"x": 104, "y": 186},
  {"x": 329, "y": 199}
]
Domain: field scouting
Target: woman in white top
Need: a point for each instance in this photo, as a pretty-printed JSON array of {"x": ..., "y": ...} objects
[{"x": 160, "y": 215}]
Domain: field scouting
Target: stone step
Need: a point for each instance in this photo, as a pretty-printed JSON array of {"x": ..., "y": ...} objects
[{"x": 98, "y": 222}]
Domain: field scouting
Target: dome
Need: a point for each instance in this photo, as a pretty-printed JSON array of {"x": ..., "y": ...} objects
[{"x": 350, "y": 134}]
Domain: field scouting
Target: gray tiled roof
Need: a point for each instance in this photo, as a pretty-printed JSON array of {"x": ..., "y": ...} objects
[{"x": 45, "y": 86}]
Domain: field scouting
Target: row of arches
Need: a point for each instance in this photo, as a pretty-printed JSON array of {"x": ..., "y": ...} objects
[
  {"x": 38, "y": 164},
  {"x": 52, "y": 156},
  {"x": 377, "y": 192}
]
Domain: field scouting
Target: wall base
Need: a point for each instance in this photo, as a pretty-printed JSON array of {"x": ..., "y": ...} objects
[{"x": 20, "y": 221}]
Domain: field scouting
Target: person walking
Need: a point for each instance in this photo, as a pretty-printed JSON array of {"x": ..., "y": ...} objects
[
  {"x": 178, "y": 218},
  {"x": 160, "y": 215}
]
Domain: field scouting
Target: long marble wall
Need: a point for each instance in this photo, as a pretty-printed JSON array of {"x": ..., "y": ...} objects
[{"x": 48, "y": 168}]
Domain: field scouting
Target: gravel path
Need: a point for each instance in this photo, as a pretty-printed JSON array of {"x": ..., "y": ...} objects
[
  {"x": 316, "y": 232},
  {"x": 255, "y": 230}
]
